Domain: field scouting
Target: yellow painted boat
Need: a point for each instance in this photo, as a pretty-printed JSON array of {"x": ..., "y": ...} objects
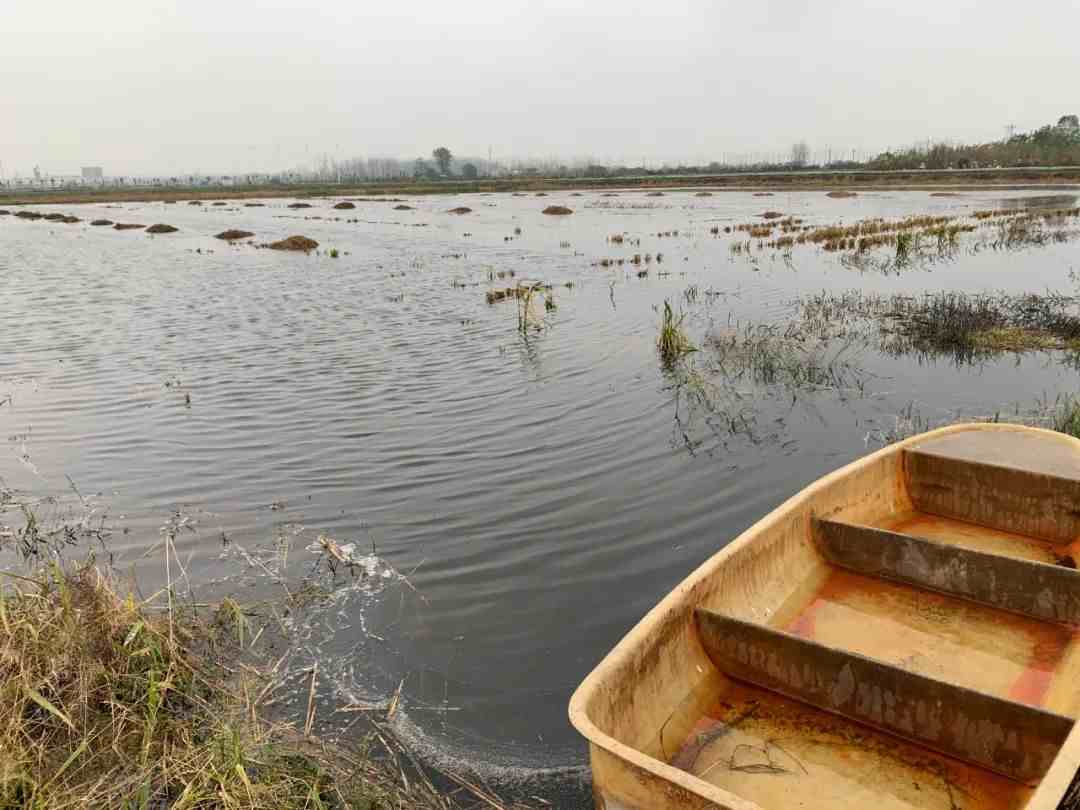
[{"x": 900, "y": 634}]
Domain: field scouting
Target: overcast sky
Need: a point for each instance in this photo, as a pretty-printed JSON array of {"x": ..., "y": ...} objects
[{"x": 169, "y": 86}]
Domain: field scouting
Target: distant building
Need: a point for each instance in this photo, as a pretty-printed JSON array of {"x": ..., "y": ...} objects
[{"x": 92, "y": 173}]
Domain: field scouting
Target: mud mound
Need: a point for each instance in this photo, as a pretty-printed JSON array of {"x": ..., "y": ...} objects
[
  {"x": 344, "y": 206},
  {"x": 655, "y": 194},
  {"x": 945, "y": 194},
  {"x": 127, "y": 226},
  {"x": 703, "y": 194},
  {"x": 772, "y": 215},
  {"x": 541, "y": 194},
  {"x": 461, "y": 209},
  {"x": 232, "y": 234},
  {"x": 55, "y": 217},
  {"x": 254, "y": 205},
  {"x": 299, "y": 205},
  {"x": 4, "y": 213},
  {"x": 558, "y": 210},
  {"x": 29, "y": 215},
  {"x": 100, "y": 222},
  {"x": 404, "y": 207},
  {"x": 69, "y": 220},
  {"x": 841, "y": 195},
  {"x": 219, "y": 203},
  {"x": 763, "y": 194},
  {"x": 170, "y": 202},
  {"x": 295, "y": 243},
  {"x": 195, "y": 202},
  {"x": 159, "y": 228}
]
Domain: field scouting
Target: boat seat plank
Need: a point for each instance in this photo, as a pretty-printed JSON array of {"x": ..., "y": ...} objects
[
  {"x": 971, "y": 478},
  {"x": 1035, "y": 589},
  {"x": 1009, "y": 738},
  {"x": 971, "y": 535}
]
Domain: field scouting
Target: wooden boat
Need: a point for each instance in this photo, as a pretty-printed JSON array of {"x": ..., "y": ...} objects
[{"x": 900, "y": 634}]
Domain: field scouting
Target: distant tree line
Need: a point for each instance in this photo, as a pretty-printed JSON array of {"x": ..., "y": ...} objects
[{"x": 1056, "y": 145}]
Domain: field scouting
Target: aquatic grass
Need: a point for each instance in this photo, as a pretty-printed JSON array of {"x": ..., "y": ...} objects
[
  {"x": 1060, "y": 414},
  {"x": 672, "y": 341},
  {"x": 967, "y": 327}
]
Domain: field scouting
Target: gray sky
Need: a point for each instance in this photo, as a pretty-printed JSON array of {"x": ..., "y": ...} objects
[{"x": 168, "y": 86}]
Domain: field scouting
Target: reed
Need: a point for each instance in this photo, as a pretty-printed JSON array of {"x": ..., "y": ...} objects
[{"x": 672, "y": 342}]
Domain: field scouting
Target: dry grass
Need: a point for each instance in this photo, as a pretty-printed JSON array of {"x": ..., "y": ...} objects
[
  {"x": 295, "y": 243},
  {"x": 109, "y": 700}
]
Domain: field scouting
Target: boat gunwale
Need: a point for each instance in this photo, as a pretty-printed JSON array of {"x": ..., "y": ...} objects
[{"x": 1053, "y": 784}]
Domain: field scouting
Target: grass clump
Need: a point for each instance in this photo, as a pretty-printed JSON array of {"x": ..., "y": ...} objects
[
  {"x": 672, "y": 342},
  {"x": 234, "y": 234},
  {"x": 105, "y": 703},
  {"x": 295, "y": 243}
]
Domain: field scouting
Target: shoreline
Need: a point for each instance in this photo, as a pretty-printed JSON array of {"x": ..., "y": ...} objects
[{"x": 860, "y": 181}]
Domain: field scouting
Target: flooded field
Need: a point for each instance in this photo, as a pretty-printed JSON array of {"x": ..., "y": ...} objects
[{"x": 469, "y": 392}]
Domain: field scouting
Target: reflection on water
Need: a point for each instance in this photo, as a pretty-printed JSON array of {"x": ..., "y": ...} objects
[{"x": 535, "y": 489}]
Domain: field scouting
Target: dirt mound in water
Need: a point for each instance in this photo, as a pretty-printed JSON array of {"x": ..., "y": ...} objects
[
  {"x": 461, "y": 209},
  {"x": 772, "y": 215},
  {"x": 29, "y": 215},
  {"x": 404, "y": 208},
  {"x": 170, "y": 202},
  {"x": 219, "y": 203},
  {"x": 295, "y": 243},
  {"x": 195, "y": 202},
  {"x": 703, "y": 194},
  {"x": 541, "y": 194},
  {"x": 558, "y": 210},
  {"x": 4, "y": 213},
  {"x": 945, "y": 194},
  {"x": 841, "y": 195},
  {"x": 344, "y": 206},
  {"x": 127, "y": 226},
  {"x": 655, "y": 194},
  {"x": 100, "y": 222},
  {"x": 299, "y": 205},
  {"x": 54, "y": 217},
  {"x": 254, "y": 205},
  {"x": 763, "y": 194},
  {"x": 69, "y": 220},
  {"x": 159, "y": 228},
  {"x": 232, "y": 234}
]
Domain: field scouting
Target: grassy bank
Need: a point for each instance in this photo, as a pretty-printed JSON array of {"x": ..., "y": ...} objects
[
  {"x": 999, "y": 179},
  {"x": 111, "y": 700}
]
